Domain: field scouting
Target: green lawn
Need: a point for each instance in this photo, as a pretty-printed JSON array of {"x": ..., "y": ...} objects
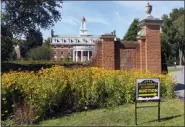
[
  {"x": 174, "y": 69},
  {"x": 172, "y": 114}
]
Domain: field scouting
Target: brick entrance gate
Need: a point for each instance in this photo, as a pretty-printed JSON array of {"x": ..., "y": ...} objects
[{"x": 145, "y": 53}]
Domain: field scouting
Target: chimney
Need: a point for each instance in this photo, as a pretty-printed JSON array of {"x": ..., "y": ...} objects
[{"x": 114, "y": 32}]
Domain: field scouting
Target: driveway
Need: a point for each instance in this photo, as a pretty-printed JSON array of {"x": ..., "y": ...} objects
[{"x": 179, "y": 89}]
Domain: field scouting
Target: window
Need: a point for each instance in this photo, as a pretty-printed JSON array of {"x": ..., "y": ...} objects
[{"x": 62, "y": 52}]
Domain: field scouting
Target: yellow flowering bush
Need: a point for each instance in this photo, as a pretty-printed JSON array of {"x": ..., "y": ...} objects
[{"x": 59, "y": 89}]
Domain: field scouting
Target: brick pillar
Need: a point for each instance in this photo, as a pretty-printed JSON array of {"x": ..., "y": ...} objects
[
  {"x": 108, "y": 52},
  {"x": 151, "y": 45},
  {"x": 153, "y": 48}
]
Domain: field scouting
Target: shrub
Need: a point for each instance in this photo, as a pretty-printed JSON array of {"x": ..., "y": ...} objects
[
  {"x": 41, "y": 53},
  {"x": 59, "y": 89}
]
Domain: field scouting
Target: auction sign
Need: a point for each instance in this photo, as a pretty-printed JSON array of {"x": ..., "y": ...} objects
[{"x": 147, "y": 89}]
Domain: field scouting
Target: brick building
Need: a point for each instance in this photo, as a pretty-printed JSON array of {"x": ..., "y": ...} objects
[{"x": 78, "y": 48}]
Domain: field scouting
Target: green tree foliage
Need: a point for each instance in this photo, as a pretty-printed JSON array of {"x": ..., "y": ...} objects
[
  {"x": 33, "y": 39},
  {"x": 23, "y": 15},
  {"x": 41, "y": 53},
  {"x": 132, "y": 31},
  {"x": 118, "y": 39},
  {"x": 173, "y": 31},
  {"x": 179, "y": 26},
  {"x": 6, "y": 43}
]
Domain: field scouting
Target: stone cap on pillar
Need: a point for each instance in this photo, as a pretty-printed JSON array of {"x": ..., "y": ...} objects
[
  {"x": 150, "y": 22},
  {"x": 149, "y": 19},
  {"x": 107, "y": 36}
]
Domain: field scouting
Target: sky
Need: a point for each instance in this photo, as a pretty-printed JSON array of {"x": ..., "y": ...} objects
[{"x": 106, "y": 16}]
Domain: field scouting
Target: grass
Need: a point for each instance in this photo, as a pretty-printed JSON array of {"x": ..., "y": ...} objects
[
  {"x": 174, "y": 69},
  {"x": 172, "y": 114}
]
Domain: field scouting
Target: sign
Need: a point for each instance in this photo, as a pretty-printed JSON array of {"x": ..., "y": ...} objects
[{"x": 148, "y": 89}]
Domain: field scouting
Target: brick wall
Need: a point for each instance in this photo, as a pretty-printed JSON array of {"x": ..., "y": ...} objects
[{"x": 127, "y": 58}]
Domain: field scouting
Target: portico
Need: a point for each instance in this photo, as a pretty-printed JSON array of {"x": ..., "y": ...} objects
[{"x": 82, "y": 53}]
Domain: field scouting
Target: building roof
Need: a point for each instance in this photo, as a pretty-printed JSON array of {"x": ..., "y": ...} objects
[{"x": 76, "y": 36}]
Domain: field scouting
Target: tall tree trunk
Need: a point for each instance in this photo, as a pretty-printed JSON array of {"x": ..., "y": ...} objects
[{"x": 180, "y": 57}]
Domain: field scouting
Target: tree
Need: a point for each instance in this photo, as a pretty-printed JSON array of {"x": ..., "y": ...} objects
[
  {"x": 33, "y": 39},
  {"x": 41, "y": 53},
  {"x": 6, "y": 43},
  {"x": 179, "y": 26},
  {"x": 173, "y": 29},
  {"x": 132, "y": 31},
  {"x": 22, "y": 15},
  {"x": 118, "y": 39}
]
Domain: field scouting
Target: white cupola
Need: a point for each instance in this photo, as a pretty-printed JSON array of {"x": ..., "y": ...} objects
[{"x": 83, "y": 30}]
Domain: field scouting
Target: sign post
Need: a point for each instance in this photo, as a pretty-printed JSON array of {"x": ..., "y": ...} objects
[{"x": 147, "y": 89}]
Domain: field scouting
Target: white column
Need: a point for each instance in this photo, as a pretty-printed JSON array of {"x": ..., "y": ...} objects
[
  {"x": 73, "y": 56},
  {"x": 76, "y": 56},
  {"x": 88, "y": 55},
  {"x": 81, "y": 55}
]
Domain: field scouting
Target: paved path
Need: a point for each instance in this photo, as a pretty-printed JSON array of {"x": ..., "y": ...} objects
[{"x": 180, "y": 87}]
